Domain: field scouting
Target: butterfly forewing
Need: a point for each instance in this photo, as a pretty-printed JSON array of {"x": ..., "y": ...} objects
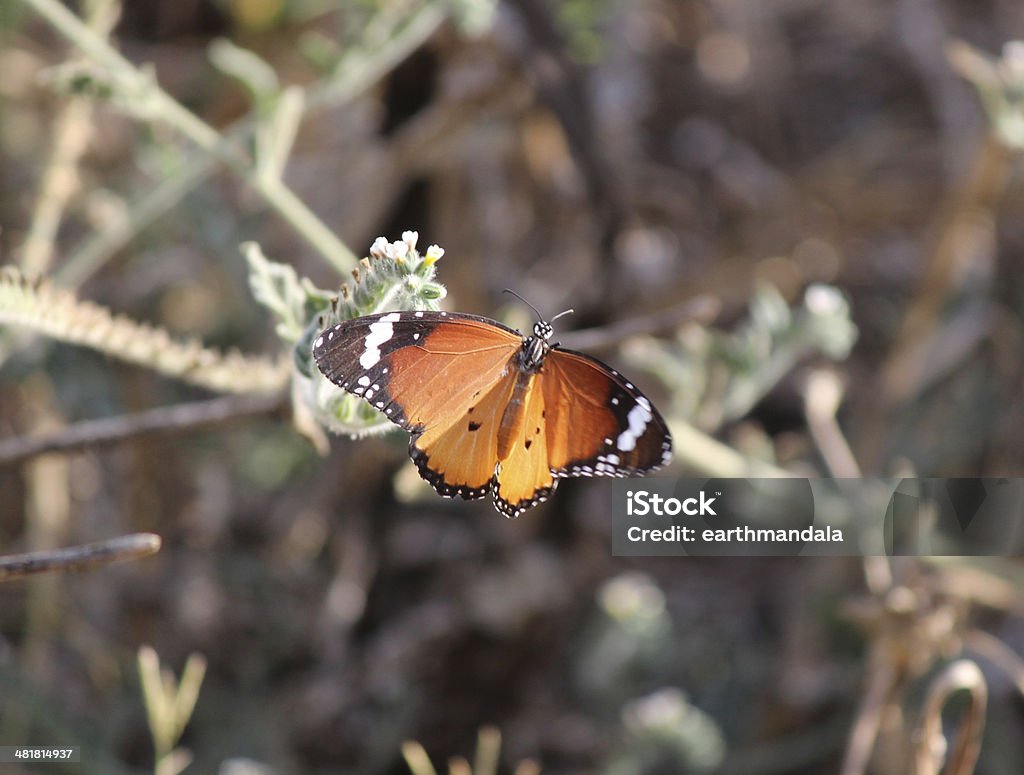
[
  {"x": 422, "y": 369},
  {"x": 598, "y": 423}
]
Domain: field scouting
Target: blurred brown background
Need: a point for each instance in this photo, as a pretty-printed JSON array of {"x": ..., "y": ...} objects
[{"x": 617, "y": 157}]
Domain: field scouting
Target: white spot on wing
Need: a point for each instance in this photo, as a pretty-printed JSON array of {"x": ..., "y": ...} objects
[
  {"x": 364, "y": 380},
  {"x": 637, "y": 418},
  {"x": 380, "y": 332},
  {"x": 319, "y": 341}
]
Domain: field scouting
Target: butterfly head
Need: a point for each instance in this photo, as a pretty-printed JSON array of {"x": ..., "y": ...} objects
[{"x": 536, "y": 347}]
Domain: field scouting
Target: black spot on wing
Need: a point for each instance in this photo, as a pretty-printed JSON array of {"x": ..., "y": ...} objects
[{"x": 473, "y": 426}]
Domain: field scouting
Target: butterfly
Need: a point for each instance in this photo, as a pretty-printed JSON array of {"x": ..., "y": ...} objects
[{"x": 493, "y": 412}]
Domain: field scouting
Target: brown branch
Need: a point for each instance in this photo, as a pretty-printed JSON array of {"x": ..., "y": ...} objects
[
  {"x": 167, "y": 419},
  {"x": 962, "y": 675},
  {"x": 882, "y": 682},
  {"x": 963, "y": 236},
  {"x": 422, "y": 145},
  {"x": 77, "y": 558},
  {"x": 823, "y": 395},
  {"x": 701, "y": 309}
]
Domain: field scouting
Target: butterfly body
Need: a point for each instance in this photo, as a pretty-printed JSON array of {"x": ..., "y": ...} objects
[{"x": 491, "y": 412}]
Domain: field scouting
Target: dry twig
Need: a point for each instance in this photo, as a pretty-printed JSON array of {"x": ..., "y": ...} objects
[
  {"x": 932, "y": 744},
  {"x": 700, "y": 309},
  {"x": 166, "y": 419},
  {"x": 78, "y": 558}
]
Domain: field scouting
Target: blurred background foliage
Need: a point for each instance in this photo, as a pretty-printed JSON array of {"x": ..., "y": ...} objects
[{"x": 825, "y": 174}]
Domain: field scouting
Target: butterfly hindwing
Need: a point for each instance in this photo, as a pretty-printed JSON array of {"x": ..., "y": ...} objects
[
  {"x": 459, "y": 459},
  {"x": 598, "y": 423},
  {"x": 524, "y": 478}
]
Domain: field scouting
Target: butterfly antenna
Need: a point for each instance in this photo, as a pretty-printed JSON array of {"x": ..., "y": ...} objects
[
  {"x": 524, "y": 301},
  {"x": 569, "y": 311}
]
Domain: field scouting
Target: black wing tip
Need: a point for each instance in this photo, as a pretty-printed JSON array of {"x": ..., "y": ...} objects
[
  {"x": 327, "y": 335},
  {"x": 666, "y": 452},
  {"x": 323, "y": 339}
]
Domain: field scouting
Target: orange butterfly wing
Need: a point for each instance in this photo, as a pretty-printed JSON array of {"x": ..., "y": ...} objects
[
  {"x": 524, "y": 476},
  {"x": 598, "y": 423},
  {"x": 459, "y": 458},
  {"x": 581, "y": 418},
  {"x": 438, "y": 375}
]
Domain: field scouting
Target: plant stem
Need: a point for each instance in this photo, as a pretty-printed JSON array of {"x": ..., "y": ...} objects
[
  {"x": 94, "y": 251},
  {"x": 164, "y": 107},
  {"x": 72, "y": 131},
  {"x": 369, "y": 64},
  {"x": 881, "y": 677},
  {"x": 356, "y": 73},
  {"x": 60, "y": 315},
  {"x": 84, "y": 557}
]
